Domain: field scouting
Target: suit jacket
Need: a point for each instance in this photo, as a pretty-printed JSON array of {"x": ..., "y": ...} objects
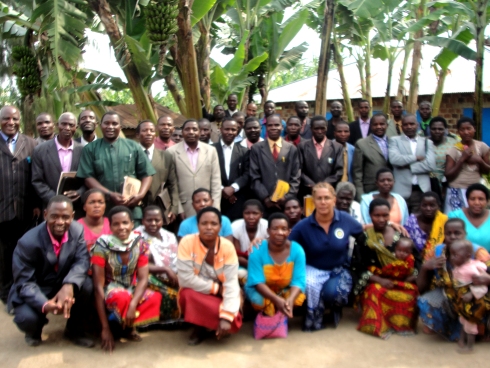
[
  {"x": 264, "y": 171},
  {"x": 368, "y": 159},
  {"x": 36, "y": 278},
  {"x": 405, "y": 164},
  {"x": 328, "y": 168},
  {"x": 392, "y": 131},
  {"x": 163, "y": 163},
  {"x": 207, "y": 175},
  {"x": 17, "y": 196},
  {"x": 46, "y": 169},
  {"x": 350, "y": 159},
  {"x": 239, "y": 174},
  {"x": 356, "y": 132}
]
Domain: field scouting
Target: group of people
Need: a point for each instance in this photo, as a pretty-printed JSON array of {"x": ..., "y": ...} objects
[{"x": 216, "y": 226}]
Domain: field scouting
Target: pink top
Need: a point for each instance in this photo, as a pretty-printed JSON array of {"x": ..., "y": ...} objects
[
  {"x": 91, "y": 237},
  {"x": 364, "y": 127},
  {"x": 161, "y": 145},
  {"x": 192, "y": 155},
  {"x": 464, "y": 273},
  {"x": 57, "y": 244},
  {"x": 319, "y": 147},
  {"x": 65, "y": 155}
]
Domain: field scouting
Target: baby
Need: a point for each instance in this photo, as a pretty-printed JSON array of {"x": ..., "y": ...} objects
[
  {"x": 404, "y": 252},
  {"x": 401, "y": 270},
  {"x": 464, "y": 268}
]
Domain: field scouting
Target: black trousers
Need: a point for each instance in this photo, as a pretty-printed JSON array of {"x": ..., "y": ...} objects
[
  {"x": 32, "y": 321},
  {"x": 10, "y": 233},
  {"x": 413, "y": 202}
]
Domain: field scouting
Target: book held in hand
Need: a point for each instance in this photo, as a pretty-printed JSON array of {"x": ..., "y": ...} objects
[
  {"x": 308, "y": 205},
  {"x": 68, "y": 181},
  {"x": 131, "y": 187},
  {"x": 282, "y": 188}
]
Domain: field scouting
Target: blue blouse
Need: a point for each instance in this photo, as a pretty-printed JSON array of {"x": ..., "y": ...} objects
[{"x": 475, "y": 235}]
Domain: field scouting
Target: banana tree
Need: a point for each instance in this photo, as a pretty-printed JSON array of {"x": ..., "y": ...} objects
[
  {"x": 337, "y": 56},
  {"x": 234, "y": 77}
]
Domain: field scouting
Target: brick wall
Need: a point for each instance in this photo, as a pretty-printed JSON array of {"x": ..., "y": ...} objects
[{"x": 451, "y": 109}]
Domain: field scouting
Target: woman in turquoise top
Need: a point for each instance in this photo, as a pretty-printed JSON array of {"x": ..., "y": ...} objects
[
  {"x": 476, "y": 215},
  {"x": 277, "y": 271}
]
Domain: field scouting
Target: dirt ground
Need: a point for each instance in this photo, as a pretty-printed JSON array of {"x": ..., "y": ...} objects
[{"x": 343, "y": 347}]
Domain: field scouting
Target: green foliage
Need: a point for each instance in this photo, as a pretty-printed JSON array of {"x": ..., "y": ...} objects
[
  {"x": 298, "y": 72},
  {"x": 9, "y": 95}
]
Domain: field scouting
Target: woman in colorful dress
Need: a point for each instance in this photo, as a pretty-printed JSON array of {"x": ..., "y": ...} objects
[
  {"x": 94, "y": 223},
  {"x": 162, "y": 263},
  {"x": 436, "y": 287},
  {"x": 387, "y": 303},
  {"x": 120, "y": 274},
  {"x": 324, "y": 237},
  {"x": 466, "y": 162},
  {"x": 476, "y": 215},
  {"x": 277, "y": 271},
  {"x": 207, "y": 266},
  {"x": 385, "y": 182},
  {"x": 426, "y": 229}
]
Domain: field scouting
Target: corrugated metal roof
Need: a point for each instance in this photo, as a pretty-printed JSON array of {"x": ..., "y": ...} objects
[{"x": 461, "y": 79}]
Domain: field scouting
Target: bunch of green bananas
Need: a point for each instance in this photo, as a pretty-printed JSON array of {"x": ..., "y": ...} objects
[
  {"x": 161, "y": 20},
  {"x": 26, "y": 70}
]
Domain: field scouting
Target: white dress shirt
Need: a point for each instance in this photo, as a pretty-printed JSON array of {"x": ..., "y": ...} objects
[
  {"x": 84, "y": 142},
  {"x": 227, "y": 152},
  {"x": 150, "y": 150},
  {"x": 413, "y": 146}
]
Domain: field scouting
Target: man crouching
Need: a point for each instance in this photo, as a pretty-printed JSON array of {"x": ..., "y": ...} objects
[{"x": 50, "y": 265}]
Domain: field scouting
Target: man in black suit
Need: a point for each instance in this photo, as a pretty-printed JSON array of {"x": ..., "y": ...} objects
[
  {"x": 61, "y": 154},
  {"x": 18, "y": 201},
  {"x": 164, "y": 166},
  {"x": 232, "y": 103},
  {"x": 302, "y": 109},
  {"x": 44, "y": 127},
  {"x": 271, "y": 160},
  {"x": 321, "y": 159},
  {"x": 336, "y": 109},
  {"x": 360, "y": 128},
  {"x": 50, "y": 267},
  {"x": 293, "y": 130},
  {"x": 234, "y": 165},
  {"x": 88, "y": 123}
]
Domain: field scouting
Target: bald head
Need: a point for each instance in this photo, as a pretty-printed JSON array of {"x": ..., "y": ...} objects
[
  {"x": 67, "y": 116},
  {"x": 67, "y": 126},
  {"x": 10, "y": 120}
]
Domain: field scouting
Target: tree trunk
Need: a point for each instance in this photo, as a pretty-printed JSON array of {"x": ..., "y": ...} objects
[
  {"x": 480, "y": 50},
  {"x": 28, "y": 115},
  {"x": 437, "y": 98},
  {"x": 416, "y": 59},
  {"x": 186, "y": 61},
  {"x": 360, "y": 68},
  {"x": 369, "y": 95},
  {"x": 387, "y": 101},
  {"x": 403, "y": 72},
  {"x": 324, "y": 62},
  {"x": 144, "y": 107},
  {"x": 174, "y": 91},
  {"x": 203, "y": 50},
  {"x": 343, "y": 83}
]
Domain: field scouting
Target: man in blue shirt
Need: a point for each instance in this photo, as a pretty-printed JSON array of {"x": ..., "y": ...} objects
[
  {"x": 269, "y": 110},
  {"x": 201, "y": 198}
]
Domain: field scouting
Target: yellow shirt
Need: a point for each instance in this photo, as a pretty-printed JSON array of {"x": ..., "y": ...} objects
[{"x": 271, "y": 143}]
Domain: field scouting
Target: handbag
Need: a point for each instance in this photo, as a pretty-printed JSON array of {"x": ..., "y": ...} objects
[
  {"x": 162, "y": 200},
  {"x": 266, "y": 327}
]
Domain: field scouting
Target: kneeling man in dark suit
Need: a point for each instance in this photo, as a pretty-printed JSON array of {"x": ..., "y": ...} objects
[{"x": 50, "y": 265}]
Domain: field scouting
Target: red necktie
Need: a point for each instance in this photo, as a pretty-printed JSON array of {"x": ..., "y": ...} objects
[{"x": 275, "y": 152}]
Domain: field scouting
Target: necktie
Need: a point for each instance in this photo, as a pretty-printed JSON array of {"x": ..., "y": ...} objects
[
  {"x": 147, "y": 153},
  {"x": 10, "y": 145},
  {"x": 275, "y": 152},
  {"x": 345, "y": 176}
]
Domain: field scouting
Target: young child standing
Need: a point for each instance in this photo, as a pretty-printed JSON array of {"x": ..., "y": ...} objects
[{"x": 469, "y": 296}]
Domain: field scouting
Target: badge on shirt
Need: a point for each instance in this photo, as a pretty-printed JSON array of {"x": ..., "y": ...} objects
[
  {"x": 330, "y": 160},
  {"x": 339, "y": 234}
]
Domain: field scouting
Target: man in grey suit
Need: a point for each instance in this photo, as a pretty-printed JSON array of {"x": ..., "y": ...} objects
[
  {"x": 61, "y": 154},
  {"x": 197, "y": 166},
  {"x": 413, "y": 160},
  {"x": 164, "y": 166},
  {"x": 50, "y": 266},
  {"x": 321, "y": 160},
  {"x": 18, "y": 201},
  {"x": 271, "y": 160},
  {"x": 370, "y": 155}
]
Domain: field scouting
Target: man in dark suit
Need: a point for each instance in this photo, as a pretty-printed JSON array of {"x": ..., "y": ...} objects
[
  {"x": 336, "y": 109},
  {"x": 293, "y": 130},
  {"x": 302, "y": 109},
  {"x": 231, "y": 103},
  {"x": 61, "y": 154},
  {"x": 88, "y": 123},
  {"x": 44, "y": 127},
  {"x": 50, "y": 267},
  {"x": 164, "y": 166},
  {"x": 321, "y": 159},
  {"x": 370, "y": 155},
  {"x": 360, "y": 128},
  {"x": 18, "y": 201},
  {"x": 234, "y": 166},
  {"x": 272, "y": 160}
]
